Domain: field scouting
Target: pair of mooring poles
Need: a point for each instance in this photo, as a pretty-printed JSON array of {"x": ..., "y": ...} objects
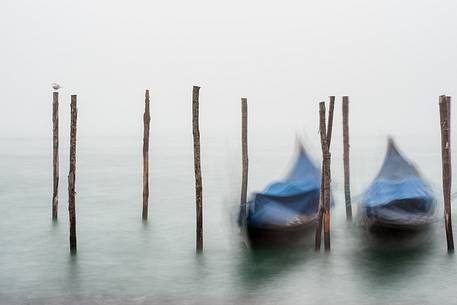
[
  {"x": 324, "y": 200},
  {"x": 197, "y": 162},
  {"x": 72, "y": 171}
]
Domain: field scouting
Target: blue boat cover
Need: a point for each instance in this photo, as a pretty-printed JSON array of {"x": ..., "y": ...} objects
[
  {"x": 398, "y": 193},
  {"x": 281, "y": 202}
]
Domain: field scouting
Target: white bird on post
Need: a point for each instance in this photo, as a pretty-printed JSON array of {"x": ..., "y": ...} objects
[{"x": 56, "y": 86}]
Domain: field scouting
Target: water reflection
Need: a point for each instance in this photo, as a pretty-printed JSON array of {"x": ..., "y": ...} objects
[
  {"x": 387, "y": 258},
  {"x": 260, "y": 266},
  {"x": 73, "y": 282},
  {"x": 122, "y": 260}
]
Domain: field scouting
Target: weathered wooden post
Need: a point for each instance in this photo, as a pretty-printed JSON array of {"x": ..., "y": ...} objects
[
  {"x": 448, "y": 105},
  {"x": 197, "y": 168},
  {"x": 320, "y": 214},
  {"x": 330, "y": 120},
  {"x": 72, "y": 176},
  {"x": 324, "y": 200},
  {"x": 347, "y": 183},
  {"x": 245, "y": 164},
  {"x": 55, "y": 154},
  {"x": 444, "y": 105},
  {"x": 146, "y": 122},
  {"x": 326, "y": 176},
  {"x": 323, "y": 134}
]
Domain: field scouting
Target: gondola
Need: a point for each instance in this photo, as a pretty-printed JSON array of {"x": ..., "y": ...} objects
[
  {"x": 285, "y": 211},
  {"x": 398, "y": 199}
]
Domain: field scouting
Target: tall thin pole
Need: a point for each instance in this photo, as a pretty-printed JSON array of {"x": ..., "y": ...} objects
[
  {"x": 326, "y": 176},
  {"x": 347, "y": 183},
  {"x": 448, "y": 109},
  {"x": 197, "y": 168},
  {"x": 322, "y": 132},
  {"x": 244, "y": 143},
  {"x": 324, "y": 199},
  {"x": 72, "y": 176},
  {"x": 330, "y": 120},
  {"x": 55, "y": 154},
  {"x": 146, "y": 123},
  {"x": 444, "y": 105}
]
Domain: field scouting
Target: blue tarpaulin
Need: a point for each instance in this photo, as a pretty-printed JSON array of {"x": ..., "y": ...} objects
[{"x": 281, "y": 202}]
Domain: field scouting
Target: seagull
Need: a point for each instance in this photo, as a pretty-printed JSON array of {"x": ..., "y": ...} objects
[{"x": 56, "y": 86}]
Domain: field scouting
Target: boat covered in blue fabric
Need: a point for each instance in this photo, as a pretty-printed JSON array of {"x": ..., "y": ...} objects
[
  {"x": 285, "y": 209},
  {"x": 398, "y": 198}
]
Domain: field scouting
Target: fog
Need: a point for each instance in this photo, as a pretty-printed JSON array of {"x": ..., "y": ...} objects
[{"x": 393, "y": 58}]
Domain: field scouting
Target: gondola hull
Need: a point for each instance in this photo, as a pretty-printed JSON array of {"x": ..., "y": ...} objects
[
  {"x": 380, "y": 225},
  {"x": 290, "y": 236}
]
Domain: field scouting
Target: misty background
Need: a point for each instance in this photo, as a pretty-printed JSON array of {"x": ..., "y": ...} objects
[{"x": 392, "y": 58}]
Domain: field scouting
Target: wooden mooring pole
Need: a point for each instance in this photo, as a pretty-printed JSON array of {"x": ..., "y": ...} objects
[
  {"x": 347, "y": 183},
  {"x": 197, "y": 168},
  {"x": 244, "y": 150},
  {"x": 444, "y": 105},
  {"x": 146, "y": 123},
  {"x": 330, "y": 120},
  {"x": 326, "y": 175},
  {"x": 448, "y": 105},
  {"x": 55, "y": 154},
  {"x": 72, "y": 175},
  {"x": 324, "y": 200}
]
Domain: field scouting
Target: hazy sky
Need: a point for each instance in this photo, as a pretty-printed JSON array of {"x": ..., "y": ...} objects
[{"x": 393, "y": 58}]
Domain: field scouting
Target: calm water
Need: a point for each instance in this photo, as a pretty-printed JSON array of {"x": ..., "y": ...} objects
[{"x": 122, "y": 260}]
